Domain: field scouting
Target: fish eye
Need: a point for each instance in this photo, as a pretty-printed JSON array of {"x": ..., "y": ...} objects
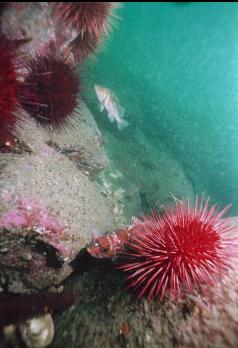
[{"x": 105, "y": 250}]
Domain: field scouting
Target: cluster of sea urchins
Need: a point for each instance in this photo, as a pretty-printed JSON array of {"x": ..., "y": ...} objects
[
  {"x": 50, "y": 88},
  {"x": 179, "y": 251}
]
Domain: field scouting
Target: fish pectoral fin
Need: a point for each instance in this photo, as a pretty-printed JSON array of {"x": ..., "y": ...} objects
[
  {"x": 95, "y": 233},
  {"x": 111, "y": 118},
  {"x": 121, "y": 111},
  {"x": 101, "y": 107}
]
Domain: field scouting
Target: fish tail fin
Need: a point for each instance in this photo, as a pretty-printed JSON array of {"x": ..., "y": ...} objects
[{"x": 122, "y": 124}]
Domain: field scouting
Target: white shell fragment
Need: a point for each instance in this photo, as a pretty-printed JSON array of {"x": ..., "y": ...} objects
[{"x": 37, "y": 332}]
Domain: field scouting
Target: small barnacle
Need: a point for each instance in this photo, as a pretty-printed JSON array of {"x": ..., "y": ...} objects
[
  {"x": 37, "y": 332},
  {"x": 9, "y": 333},
  {"x": 39, "y": 229}
]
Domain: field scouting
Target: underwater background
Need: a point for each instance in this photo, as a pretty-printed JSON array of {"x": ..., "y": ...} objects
[
  {"x": 72, "y": 184},
  {"x": 174, "y": 68}
]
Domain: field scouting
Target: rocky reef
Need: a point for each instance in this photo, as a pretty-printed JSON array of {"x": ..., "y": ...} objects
[
  {"x": 68, "y": 195},
  {"x": 59, "y": 186}
]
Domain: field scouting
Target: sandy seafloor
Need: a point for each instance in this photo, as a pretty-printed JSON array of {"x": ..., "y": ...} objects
[{"x": 114, "y": 176}]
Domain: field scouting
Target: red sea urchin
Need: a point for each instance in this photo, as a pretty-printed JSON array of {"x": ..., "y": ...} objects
[
  {"x": 85, "y": 22},
  {"x": 50, "y": 93},
  {"x": 90, "y": 17},
  {"x": 83, "y": 46},
  {"x": 184, "y": 248},
  {"x": 8, "y": 89}
]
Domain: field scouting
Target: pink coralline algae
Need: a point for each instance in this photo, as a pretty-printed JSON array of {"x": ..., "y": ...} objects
[{"x": 29, "y": 214}]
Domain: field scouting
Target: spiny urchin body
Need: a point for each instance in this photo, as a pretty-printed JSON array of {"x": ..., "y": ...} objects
[
  {"x": 83, "y": 46},
  {"x": 87, "y": 23},
  {"x": 50, "y": 93},
  {"x": 183, "y": 249},
  {"x": 90, "y": 17},
  {"x": 8, "y": 89}
]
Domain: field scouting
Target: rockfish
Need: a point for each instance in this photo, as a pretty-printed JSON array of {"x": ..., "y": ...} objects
[
  {"x": 110, "y": 102},
  {"x": 113, "y": 244}
]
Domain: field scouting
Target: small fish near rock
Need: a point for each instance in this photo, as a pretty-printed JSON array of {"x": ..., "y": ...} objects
[{"x": 110, "y": 102}]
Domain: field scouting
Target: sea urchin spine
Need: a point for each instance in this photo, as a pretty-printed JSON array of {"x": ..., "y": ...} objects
[
  {"x": 9, "y": 85},
  {"x": 50, "y": 93},
  {"x": 86, "y": 22},
  {"x": 90, "y": 17},
  {"x": 183, "y": 249}
]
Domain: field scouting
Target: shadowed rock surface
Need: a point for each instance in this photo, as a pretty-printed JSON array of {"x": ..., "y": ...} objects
[{"x": 105, "y": 315}]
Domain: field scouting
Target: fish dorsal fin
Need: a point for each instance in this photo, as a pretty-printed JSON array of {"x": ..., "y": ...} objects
[{"x": 111, "y": 118}]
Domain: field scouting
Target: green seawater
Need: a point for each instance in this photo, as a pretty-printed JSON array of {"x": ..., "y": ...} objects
[{"x": 174, "y": 67}]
